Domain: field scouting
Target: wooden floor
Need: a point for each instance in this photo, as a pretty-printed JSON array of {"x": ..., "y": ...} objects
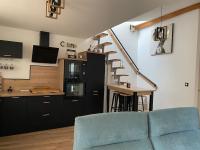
[{"x": 56, "y": 139}]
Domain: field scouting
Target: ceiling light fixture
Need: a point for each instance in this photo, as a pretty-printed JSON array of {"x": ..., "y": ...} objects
[{"x": 53, "y": 8}]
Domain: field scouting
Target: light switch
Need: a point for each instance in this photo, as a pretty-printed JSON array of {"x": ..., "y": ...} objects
[{"x": 186, "y": 84}]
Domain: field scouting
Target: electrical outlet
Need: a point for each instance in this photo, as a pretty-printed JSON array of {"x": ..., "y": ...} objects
[{"x": 186, "y": 84}]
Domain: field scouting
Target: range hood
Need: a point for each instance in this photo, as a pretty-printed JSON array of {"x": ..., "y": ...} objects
[{"x": 44, "y": 39}]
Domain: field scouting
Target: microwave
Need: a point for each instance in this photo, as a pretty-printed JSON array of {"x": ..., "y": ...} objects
[
  {"x": 74, "y": 89},
  {"x": 75, "y": 70}
]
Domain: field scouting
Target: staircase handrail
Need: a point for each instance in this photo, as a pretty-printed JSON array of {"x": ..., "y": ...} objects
[{"x": 128, "y": 57}]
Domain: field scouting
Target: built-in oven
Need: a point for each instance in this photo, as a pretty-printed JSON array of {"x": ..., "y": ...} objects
[
  {"x": 75, "y": 70},
  {"x": 74, "y": 89},
  {"x": 74, "y": 78}
]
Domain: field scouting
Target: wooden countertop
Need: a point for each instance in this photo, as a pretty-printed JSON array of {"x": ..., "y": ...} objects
[
  {"x": 18, "y": 93},
  {"x": 130, "y": 91}
]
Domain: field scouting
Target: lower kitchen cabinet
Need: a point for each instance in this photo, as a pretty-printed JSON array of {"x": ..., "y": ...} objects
[
  {"x": 94, "y": 103},
  {"x": 33, "y": 113},
  {"x": 28, "y": 114},
  {"x": 44, "y": 112},
  {"x": 13, "y": 115},
  {"x": 72, "y": 107}
]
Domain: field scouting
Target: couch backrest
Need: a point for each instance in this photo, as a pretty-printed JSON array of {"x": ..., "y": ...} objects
[
  {"x": 173, "y": 120},
  {"x": 109, "y": 128}
]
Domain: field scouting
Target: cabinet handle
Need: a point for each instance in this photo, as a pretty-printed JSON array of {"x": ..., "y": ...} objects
[
  {"x": 46, "y": 115},
  {"x": 15, "y": 97},
  {"x": 95, "y": 94},
  {"x": 46, "y": 102},
  {"x": 75, "y": 100},
  {"x": 95, "y": 91},
  {"x": 7, "y": 55},
  {"x": 46, "y": 96}
]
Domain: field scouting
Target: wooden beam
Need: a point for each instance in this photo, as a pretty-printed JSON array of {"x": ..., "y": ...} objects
[{"x": 168, "y": 16}]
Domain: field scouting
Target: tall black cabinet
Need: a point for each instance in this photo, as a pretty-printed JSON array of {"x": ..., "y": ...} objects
[
  {"x": 74, "y": 89},
  {"x": 83, "y": 86},
  {"x": 95, "y": 73}
]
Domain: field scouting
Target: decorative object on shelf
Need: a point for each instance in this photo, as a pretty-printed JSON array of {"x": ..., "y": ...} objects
[
  {"x": 128, "y": 85},
  {"x": 71, "y": 53},
  {"x": 71, "y": 49},
  {"x": 68, "y": 44},
  {"x": 53, "y": 8},
  {"x": 11, "y": 67},
  {"x": 7, "y": 66},
  {"x": 89, "y": 49},
  {"x": 162, "y": 39},
  {"x": 10, "y": 89}
]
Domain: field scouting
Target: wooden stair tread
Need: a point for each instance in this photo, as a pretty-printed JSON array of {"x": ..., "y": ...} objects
[
  {"x": 103, "y": 44},
  {"x": 110, "y": 52},
  {"x": 123, "y": 82},
  {"x": 113, "y": 60},
  {"x": 98, "y": 36},
  {"x": 122, "y": 94},
  {"x": 114, "y": 68},
  {"x": 120, "y": 75}
]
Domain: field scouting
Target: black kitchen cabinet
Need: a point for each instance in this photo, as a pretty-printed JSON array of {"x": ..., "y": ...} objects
[
  {"x": 94, "y": 103},
  {"x": 30, "y": 113},
  {"x": 44, "y": 112},
  {"x": 72, "y": 107},
  {"x": 95, "y": 73},
  {"x": 84, "y": 94},
  {"x": 13, "y": 115},
  {"x": 9, "y": 49}
]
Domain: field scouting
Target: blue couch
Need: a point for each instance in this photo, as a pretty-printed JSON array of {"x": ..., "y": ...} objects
[{"x": 168, "y": 129}]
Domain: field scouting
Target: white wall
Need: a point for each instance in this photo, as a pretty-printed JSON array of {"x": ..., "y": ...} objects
[
  {"x": 198, "y": 66},
  {"x": 29, "y": 38},
  {"x": 128, "y": 39},
  {"x": 170, "y": 72}
]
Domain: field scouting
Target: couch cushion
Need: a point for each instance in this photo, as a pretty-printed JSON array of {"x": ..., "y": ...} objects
[
  {"x": 188, "y": 140},
  {"x": 173, "y": 120},
  {"x": 134, "y": 145},
  {"x": 109, "y": 128}
]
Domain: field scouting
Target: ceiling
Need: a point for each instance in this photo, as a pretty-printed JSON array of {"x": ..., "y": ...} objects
[
  {"x": 167, "y": 8},
  {"x": 80, "y": 18}
]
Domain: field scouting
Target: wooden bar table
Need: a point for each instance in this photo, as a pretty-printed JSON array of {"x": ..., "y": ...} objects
[{"x": 135, "y": 92}]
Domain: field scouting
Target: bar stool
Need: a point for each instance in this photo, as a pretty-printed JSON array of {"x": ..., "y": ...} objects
[
  {"x": 115, "y": 99},
  {"x": 125, "y": 102},
  {"x": 143, "y": 97},
  {"x": 121, "y": 102}
]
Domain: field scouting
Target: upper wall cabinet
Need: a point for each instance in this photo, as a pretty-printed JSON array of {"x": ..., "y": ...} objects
[{"x": 9, "y": 49}]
